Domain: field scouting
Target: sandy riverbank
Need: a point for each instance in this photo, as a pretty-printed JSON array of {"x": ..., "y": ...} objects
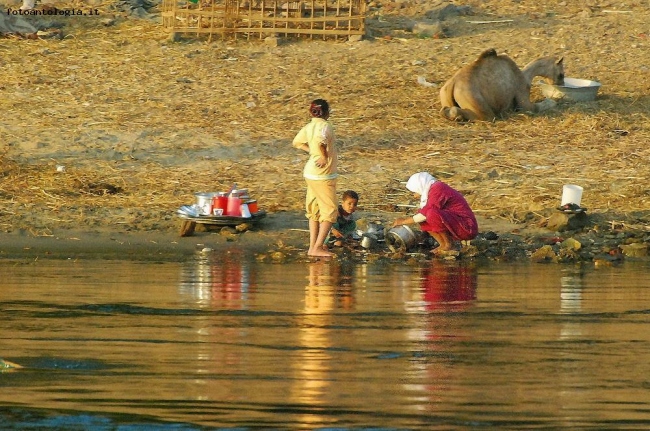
[
  {"x": 282, "y": 237},
  {"x": 109, "y": 129}
]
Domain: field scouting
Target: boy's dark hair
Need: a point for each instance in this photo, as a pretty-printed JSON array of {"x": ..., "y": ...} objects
[
  {"x": 319, "y": 108},
  {"x": 350, "y": 194}
]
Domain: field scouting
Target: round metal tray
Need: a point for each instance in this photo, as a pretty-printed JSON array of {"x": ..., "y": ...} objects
[{"x": 224, "y": 220}]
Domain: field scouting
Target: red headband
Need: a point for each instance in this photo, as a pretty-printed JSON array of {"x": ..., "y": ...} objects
[{"x": 316, "y": 110}]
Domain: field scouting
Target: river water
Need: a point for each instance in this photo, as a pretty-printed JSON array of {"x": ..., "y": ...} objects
[{"x": 226, "y": 342}]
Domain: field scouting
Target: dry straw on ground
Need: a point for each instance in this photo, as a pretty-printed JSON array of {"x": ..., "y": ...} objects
[{"x": 121, "y": 105}]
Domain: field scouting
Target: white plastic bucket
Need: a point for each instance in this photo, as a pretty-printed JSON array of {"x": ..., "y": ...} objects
[{"x": 571, "y": 194}]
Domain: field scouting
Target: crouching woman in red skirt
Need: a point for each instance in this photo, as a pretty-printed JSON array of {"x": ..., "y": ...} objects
[{"x": 444, "y": 213}]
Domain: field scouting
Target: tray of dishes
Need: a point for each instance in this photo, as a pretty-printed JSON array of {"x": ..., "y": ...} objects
[{"x": 188, "y": 212}]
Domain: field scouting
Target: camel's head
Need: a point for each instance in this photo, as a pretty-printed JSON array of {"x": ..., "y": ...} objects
[
  {"x": 558, "y": 72},
  {"x": 549, "y": 68}
]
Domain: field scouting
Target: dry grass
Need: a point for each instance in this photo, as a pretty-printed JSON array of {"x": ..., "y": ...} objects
[{"x": 123, "y": 106}]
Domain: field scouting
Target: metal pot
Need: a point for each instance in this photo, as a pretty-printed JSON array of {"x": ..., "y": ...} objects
[
  {"x": 401, "y": 239},
  {"x": 204, "y": 202},
  {"x": 240, "y": 193},
  {"x": 376, "y": 229},
  {"x": 368, "y": 241}
]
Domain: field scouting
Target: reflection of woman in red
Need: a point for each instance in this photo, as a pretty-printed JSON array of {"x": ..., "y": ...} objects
[
  {"x": 447, "y": 288},
  {"x": 448, "y": 285}
]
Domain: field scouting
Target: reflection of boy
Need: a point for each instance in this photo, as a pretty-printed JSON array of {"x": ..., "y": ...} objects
[{"x": 345, "y": 224}]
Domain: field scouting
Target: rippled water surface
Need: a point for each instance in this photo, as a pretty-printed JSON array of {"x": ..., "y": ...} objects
[{"x": 228, "y": 342}]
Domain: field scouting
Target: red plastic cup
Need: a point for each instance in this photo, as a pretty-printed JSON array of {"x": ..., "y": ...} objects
[
  {"x": 252, "y": 206},
  {"x": 220, "y": 202},
  {"x": 234, "y": 207}
]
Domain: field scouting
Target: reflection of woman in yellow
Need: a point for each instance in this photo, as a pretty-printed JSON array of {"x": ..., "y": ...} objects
[{"x": 313, "y": 366}]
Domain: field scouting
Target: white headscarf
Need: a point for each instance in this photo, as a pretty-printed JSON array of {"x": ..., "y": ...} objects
[{"x": 420, "y": 183}]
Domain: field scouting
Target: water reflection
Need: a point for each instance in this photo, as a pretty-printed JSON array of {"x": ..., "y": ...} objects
[
  {"x": 227, "y": 342},
  {"x": 448, "y": 286},
  {"x": 446, "y": 291},
  {"x": 329, "y": 288},
  {"x": 218, "y": 283},
  {"x": 570, "y": 294},
  {"x": 223, "y": 281},
  {"x": 570, "y": 303}
]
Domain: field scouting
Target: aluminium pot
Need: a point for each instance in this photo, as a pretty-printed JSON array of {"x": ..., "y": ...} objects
[
  {"x": 377, "y": 230},
  {"x": 368, "y": 241},
  {"x": 401, "y": 239},
  {"x": 204, "y": 202}
]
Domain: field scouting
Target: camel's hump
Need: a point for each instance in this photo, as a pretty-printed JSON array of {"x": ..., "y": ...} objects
[{"x": 488, "y": 53}]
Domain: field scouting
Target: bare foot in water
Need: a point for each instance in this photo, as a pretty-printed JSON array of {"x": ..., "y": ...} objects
[
  {"x": 445, "y": 249},
  {"x": 439, "y": 250},
  {"x": 452, "y": 250},
  {"x": 319, "y": 252}
]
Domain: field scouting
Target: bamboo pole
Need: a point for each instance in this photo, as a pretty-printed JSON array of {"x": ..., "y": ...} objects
[
  {"x": 311, "y": 22},
  {"x": 338, "y": 11},
  {"x": 250, "y": 18}
]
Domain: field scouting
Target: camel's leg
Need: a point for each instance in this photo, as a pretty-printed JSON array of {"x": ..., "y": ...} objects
[
  {"x": 452, "y": 113},
  {"x": 457, "y": 109},
  {"x": 545, "y": 105},
  {"x": 458, "y": 114},
  {"x": 522, "y": 99},
  {"x": 524, "y": 103},
  {"x": 447, "y": 102},
  {"x": 447, "y": 94},
  {"x": 474, "y": 106}
]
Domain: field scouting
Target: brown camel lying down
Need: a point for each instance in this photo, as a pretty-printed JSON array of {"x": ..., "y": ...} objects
[{"x": 494, "y": 84}]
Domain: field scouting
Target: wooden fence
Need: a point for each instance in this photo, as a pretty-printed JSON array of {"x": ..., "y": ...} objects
[{"x": 262, "y": 18}]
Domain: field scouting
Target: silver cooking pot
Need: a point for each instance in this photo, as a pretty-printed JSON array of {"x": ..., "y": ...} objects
[
  {"x": 368, "y": 241},
  {"x": 204, "y": 202},
  {"x": 401, "y": 239},
  {"x": 376, "y": 229}
]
